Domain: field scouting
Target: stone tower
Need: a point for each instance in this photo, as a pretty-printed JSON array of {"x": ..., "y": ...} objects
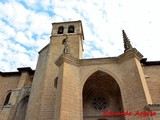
[
  {"x": 46, "y": 75},
  {"x": 74, "y": 31}
]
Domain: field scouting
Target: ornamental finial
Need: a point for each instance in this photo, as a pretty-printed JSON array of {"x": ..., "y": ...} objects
[{"x": 127, "y": 44}]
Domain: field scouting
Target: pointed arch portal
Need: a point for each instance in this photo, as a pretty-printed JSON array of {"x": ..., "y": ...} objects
[
  {"x": 101, "y": 92},
  {"x": 21, "y": 109}
]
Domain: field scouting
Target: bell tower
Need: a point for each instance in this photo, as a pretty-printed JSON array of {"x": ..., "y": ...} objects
[
  {"x": 73, "y": 31},
  {"x": 66, "y": 37}
]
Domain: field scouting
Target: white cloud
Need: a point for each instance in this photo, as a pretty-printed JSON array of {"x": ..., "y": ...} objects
[
  {"x": 15, "y": 14},
  {"x": 21, "y": 38},
  {"x": 96, "y": 54},
  {"x": 46, "y": 3},
  {"x": 18, "y": 47},
  {"x": 39, "y": 23},
  {"x": 26, "y": 30},
  {"x": 31, "y": 3}
]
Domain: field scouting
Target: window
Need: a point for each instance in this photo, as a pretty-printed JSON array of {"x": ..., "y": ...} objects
[
  {"x": 55, "y": 82},
  {"x": 60, "y": 30},
  {"x": 71, "y": 29},
  {"x": 7, "y": 99},
  {"x": 99, "y": 103}
]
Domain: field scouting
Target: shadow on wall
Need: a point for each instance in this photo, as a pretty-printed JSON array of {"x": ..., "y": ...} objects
[{"x": 21, "y": 109}]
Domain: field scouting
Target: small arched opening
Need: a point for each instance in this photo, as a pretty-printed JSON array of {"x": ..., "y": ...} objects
[
  {"x": 71, "y": 29},
  {"x": 7, "y": 98},
  {"x": 60, "y": 30},
  {"x": 101, "y": 92}
]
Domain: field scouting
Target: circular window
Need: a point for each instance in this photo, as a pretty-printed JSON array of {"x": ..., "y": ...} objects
[{"x": 99, "y": 103}]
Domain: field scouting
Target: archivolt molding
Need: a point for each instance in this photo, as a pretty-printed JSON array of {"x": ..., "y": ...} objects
[
  {"x": 25, "y": 91},
  {"x": 90, "y": 72}
]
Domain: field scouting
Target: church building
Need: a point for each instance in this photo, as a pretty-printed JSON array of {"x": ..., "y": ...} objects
[{"x": 65, "y": 86}]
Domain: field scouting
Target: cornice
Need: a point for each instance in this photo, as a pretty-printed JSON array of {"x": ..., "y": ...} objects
[
  {"x": 132, "y": 53},
  {"x": 71, "y": 34},
  {"x": 68, "y": 59},
  {"x": 10, "y": 74},
  {"x": 26, "y": 69},
  {"x": 149, "y": 63},
  {"x": 98, "y": 61},
  {"x": 66, "y": 22},
  {"x": 20, "y": 70}
]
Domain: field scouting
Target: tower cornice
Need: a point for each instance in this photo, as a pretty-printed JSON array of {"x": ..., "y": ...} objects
[{"x": 68, "y": 59}]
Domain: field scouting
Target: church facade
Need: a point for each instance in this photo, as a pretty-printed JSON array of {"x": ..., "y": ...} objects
[{"x": 65, "y": 86}]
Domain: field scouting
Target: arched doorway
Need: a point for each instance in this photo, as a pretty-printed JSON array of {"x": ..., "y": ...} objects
[
  {"x": 21, "y": 109},
  {"x": 101, "y": 92}
]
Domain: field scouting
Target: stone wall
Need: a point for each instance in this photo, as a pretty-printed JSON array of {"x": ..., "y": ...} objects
[
  {"x": 127, "y": 76},
  {"x": 152, "y": 75},
  {"x": 37, "y": 86},
  {"x": 7, "y": 83},
  {"x": 15, "y": 83}
]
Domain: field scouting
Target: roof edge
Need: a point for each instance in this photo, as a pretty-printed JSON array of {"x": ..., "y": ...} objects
[
  {"x": 149, "y": 63},
  {"x": 20, "y": 70},
  {"x": 43, "y": 48}
]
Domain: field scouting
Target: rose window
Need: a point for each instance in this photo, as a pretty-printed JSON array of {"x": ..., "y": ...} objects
[{"x": 99, "y": 103}]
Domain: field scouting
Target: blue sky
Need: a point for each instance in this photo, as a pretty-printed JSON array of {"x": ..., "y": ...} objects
[{"x": 25, "y": 27}]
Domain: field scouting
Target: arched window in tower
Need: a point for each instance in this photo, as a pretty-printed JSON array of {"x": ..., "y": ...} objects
[
  {"x": 60, "y": 30},
  {"x": 7, "y": 98},
  {"x": 71, "y": 29}
]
